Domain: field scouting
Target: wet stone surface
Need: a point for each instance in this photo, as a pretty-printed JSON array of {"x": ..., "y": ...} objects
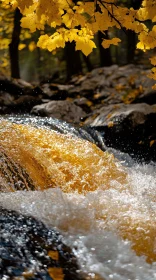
[{"x": 28, "y": 250}]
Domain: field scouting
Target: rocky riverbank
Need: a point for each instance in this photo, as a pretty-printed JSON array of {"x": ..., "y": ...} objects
[{"x": 118, "y": 101}]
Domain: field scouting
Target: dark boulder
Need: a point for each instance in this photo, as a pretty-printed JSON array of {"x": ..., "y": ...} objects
[
  {"x": 24, "y": 103},
  {"x": 18, "y": 96},
  {"x": 129, "y": 128},
  {"x": 30, "y": 250},
  {"x": 149, "y": 97}
]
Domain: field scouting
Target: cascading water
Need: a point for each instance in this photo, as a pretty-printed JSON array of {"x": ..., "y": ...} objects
[{"x": 105, "y": 212}]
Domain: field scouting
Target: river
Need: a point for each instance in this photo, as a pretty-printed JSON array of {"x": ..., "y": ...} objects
[{"x": 106, "y": 227}]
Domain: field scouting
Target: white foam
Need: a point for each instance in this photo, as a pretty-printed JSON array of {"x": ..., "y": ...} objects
[{"x": 81, "y": 220}]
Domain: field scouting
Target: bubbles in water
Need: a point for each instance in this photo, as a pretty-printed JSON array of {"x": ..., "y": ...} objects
[
  {"x": 96, "y": 224},
  {"x": 85, "y": 222}
]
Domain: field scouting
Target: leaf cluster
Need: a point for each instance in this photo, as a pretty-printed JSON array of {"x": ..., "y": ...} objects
[{"x": 79, "y": 21}]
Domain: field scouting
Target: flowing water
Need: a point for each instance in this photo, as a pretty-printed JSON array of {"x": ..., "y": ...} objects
[{"x": 105, "y": 211}]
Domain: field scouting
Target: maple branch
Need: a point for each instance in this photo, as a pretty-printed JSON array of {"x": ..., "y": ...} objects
[
  {"x": 111, "y": 14},
  {"x": 70, "y": 5},
  {"x": 109, "y": 3}
]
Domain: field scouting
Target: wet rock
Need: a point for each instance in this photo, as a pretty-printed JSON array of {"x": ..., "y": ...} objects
[
  {"x": 35, "y": 91},
  {"x": 112, "y": 85},
  {"x": 6, "y": 99},
  {"x": 60, "y": 87},
  {"x": 18, "y": 96},
  {"x": 24, "y": 103},
  {"x": 129, "y": 128},
  {"x": 102, "y": 86},
  {"x": 18, "y": 87},
  {"x": 64, "y": 110},
  {"x": 148, "y": 96},
  {"x": 31, "y": 251},
  {"x": 11, "y": 87},
  {"x": 115, "y": 113},
  {"x": 84, "y": 103},
  {"x": 46, "y": 89},
  {"x": 56, "y": 91}
]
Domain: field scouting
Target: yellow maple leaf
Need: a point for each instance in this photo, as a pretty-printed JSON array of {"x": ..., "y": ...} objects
[
  {"x": 106, "y": 43},
  {"x": 154, "y": 87},
  {"x": 86, "y": 46},
  {"x": 31, "y": 22},
  {"x": 119, "y": 87},
  {"x": 153, "y": 60},
  {"x": 51, "y": 42},
  {"x": 152, "y": 142},
  {"x": 43, "y": 41},
  {"x": 53, "y": 255},
  {"x": 21, "y": 46},
  {"x": 56, "y": 273},
  {"x": 68, "y": 18},
  {"x": 23, "y": 4},
  {"x": 9, "y": 3},
  {"x": 110, "y": 124},
  {"x": 152, "y": 75},
  {"x": 32, "y": 46},
  {"x": 4, "y": 63},
  {"x": 141, "y": 46},
  {"x": 4, "y": 43}
]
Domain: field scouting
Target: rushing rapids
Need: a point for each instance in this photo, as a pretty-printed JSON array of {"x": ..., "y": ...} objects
[
  {"x": 104, "y": 209},
  {"x": 49, "y": 159}
]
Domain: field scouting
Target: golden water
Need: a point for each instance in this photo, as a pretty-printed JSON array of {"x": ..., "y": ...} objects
[
  {"x": 51, "y": 159},
  {"x": 85, "y": 193}
]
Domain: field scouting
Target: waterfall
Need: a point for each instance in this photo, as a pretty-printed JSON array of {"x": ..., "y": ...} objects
[{"x": 105, "y": 211}]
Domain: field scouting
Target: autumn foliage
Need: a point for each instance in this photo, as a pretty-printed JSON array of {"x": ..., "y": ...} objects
[{"x": 79, "y": 21}]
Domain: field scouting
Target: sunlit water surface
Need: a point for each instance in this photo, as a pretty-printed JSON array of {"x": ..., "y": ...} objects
[{"x": 95, "y": 241}]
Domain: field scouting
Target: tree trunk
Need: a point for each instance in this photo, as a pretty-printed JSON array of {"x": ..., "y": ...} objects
[
  {"x": 131, "y": 45},
  {"x": 131, "y": 35},
  {"x": 13, "y": 46},
  {"x": 87, "y": 62},
  {"x": 105, "y": 55},
  {"x": 73, "y": 61}
]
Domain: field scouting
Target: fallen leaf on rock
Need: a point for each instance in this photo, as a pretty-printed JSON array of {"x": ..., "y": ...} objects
[
  {"x": 53, "y": 255},
  {"x": 56, "y": 273},
  {"x": 152, "y": 142},
  {"x": 110, "y": 124},
  {"x": 119, "y": 87}
]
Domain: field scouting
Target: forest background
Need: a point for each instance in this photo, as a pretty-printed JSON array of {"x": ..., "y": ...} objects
[{"x": 20, "y": 57}]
